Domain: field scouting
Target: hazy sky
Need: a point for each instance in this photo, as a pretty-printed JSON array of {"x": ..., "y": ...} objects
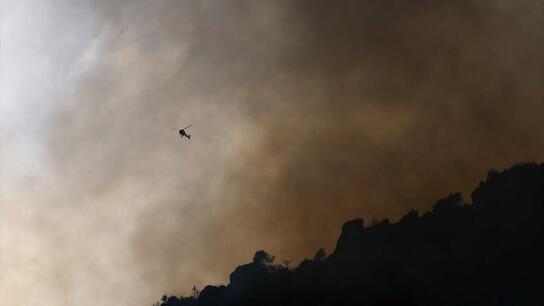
[{"x": 305, "y": 114}]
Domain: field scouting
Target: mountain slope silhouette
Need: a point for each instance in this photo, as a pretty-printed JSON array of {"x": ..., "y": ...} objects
[{"x": 489, "y": 252}]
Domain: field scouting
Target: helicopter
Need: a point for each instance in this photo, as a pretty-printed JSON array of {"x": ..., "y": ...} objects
[{"x": 183, "y": 133}]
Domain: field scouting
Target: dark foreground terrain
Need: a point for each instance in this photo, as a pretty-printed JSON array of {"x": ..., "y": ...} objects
[{"x": 489, "y": 252}]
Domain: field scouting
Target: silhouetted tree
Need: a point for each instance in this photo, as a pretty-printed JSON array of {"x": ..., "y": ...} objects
[
  {"x": 320, "y": 255},
  {"x": 263, "y": 258},
  {"x": 195, "y": 292}
]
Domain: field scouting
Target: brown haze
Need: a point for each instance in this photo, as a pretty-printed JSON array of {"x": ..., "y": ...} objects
[{"x": 305, "y": 114}]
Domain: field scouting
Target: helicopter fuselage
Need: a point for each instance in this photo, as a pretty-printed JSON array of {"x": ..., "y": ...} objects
[{"x": 182, "y": 134}]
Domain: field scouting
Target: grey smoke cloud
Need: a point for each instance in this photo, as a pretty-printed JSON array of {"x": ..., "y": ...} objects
[{"x": 305, "y": 114}]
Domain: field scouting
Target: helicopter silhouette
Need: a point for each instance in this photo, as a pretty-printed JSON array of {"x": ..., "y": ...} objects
[{"x": 183, "y": 133}]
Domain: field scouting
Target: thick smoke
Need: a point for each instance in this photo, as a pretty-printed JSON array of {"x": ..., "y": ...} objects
[
  {"x": 369, "y": 108},
  {"x": 377, "y": 106},
  {"x": 305, "y": 114}
]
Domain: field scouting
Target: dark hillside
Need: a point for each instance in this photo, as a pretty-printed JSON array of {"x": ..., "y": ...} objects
[{"x": 486, "y": 253}]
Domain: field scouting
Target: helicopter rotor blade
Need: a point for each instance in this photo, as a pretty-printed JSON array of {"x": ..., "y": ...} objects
[{"x": 187, "y": 127}]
